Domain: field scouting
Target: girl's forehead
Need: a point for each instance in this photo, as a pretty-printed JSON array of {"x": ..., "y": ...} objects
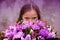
[{"x": 30, "y": 13}]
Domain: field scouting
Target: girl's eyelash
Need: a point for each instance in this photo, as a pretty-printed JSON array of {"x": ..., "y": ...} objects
[
  {"x": 29, "y": 18},
  {"x": 33, "y": 17},
  {"x": 26, "y": 18}
]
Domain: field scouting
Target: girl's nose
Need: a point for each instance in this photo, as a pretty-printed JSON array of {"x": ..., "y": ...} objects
[{"x": 30, "y": 20}]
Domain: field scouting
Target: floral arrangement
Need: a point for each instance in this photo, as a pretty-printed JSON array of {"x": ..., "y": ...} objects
[{"x": 38, "y": 30}]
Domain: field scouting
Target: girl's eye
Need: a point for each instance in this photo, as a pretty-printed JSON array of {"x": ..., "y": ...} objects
[
  {"x": 26, "y": 18},
  {"x": 34, "y": 17}
]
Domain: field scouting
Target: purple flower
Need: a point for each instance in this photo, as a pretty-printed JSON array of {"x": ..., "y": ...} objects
[
  {"x": 41, "y": 38},
  {"x": 18, "y": 35},
  {"x": 24, "y": 26},
  {"x": 19, "y": 28},
  {"x": 44, "y": 32},
  {"x": 51, "y": 35},
  {"x": 35, "y": 27},
  {"x": 9, "y": 33},
  {"x": 27, "y": 25},
  {"x": 40, "y": 23},
  {"x": 12, "y": 27},
  {"x": 28, "y": 37}
]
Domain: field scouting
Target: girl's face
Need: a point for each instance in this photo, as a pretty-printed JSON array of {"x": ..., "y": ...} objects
[{"x": 30, "y": 16}]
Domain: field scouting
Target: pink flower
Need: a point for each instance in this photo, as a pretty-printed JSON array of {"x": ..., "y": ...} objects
[
  {"x": 51, "y": 35},
  {"x": 9, "y": 33},
  {"x": 40, "y": 23},
  {"x": 35, "y": 27},
  {"x": 18, "y": 35},
  {"x": 27, "y": 25},
  {"x": 19, "y": 28}
]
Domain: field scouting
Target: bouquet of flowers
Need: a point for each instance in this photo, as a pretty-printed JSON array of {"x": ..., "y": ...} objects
[{"x": 30, "y": 31}]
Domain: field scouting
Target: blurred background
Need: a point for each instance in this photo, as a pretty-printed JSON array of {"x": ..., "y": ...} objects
[{"x": 50, "y": 11}]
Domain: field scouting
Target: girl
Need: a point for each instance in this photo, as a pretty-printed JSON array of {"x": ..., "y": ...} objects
[{"x": 29, "y": 13}]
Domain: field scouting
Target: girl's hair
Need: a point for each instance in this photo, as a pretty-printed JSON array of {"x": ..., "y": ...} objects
[{"x": 26, "y": 8}]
